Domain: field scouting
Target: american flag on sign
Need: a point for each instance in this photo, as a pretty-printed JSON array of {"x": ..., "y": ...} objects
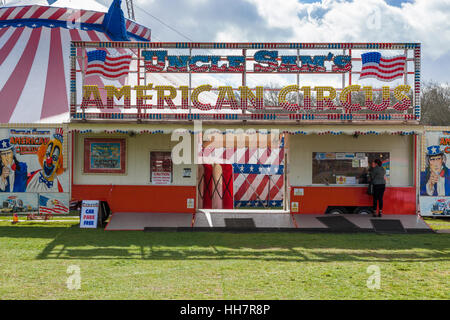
[
  {"x": 108, "y": 66},
  {"x": 374, "y": 65},
  {"x": 53, "y": 206}
]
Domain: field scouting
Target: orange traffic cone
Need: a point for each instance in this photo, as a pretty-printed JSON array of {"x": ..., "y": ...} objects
[{"x": 15, "y": 218}]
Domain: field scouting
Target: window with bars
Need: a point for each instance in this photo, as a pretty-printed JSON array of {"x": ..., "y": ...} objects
[{"x": 346, "y": 168}]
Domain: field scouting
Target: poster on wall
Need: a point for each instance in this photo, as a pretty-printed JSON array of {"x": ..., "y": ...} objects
[
  {"x": 435, "y": 174},
  {"x": 24, "y": 202},
  {"x": 161, "y": 167},
  {"x": 53, "y": 203},
  {"x": 104, "y": 155},
  {"x": 31, "y": 164}
]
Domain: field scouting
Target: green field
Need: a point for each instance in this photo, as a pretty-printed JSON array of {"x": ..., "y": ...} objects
[{"x": 34, "y": 257}]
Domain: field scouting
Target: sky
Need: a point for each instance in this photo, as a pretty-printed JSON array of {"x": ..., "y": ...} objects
[{"x": 424, "y": 21}]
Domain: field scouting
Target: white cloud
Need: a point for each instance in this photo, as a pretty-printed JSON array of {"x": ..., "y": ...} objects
[
  {"x": 278, "y": 13},
  {"x": 424, "y": 21}
]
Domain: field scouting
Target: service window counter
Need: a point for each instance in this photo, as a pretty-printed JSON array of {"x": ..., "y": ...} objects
[{"x": 329, "y": 174}]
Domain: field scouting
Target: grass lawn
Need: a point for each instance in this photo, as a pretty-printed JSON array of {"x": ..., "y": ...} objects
[{"x": 34, "y": 257}]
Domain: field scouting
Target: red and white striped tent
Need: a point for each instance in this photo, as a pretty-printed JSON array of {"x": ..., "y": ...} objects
[{"x": 34, "y": 55}]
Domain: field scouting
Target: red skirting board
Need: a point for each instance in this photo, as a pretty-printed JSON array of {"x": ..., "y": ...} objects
[
  {"x": 315, "y": 200},
  {"x": 126, "y": 198}
]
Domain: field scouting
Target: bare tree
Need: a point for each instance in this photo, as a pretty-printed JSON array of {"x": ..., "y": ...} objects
[{"x": 435, "y": 104}]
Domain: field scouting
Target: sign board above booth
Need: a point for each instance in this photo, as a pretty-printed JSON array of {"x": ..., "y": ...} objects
[{"x": 234, "y": 81}]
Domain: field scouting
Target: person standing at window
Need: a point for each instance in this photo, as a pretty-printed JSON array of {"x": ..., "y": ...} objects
[{"x": 377, "y": 177}]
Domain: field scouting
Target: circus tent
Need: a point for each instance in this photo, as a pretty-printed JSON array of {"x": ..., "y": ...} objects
[{"x": 35, "y": 41}]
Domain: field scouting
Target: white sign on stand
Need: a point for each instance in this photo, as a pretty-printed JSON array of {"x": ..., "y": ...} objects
[{"x": 89, "y": 213}]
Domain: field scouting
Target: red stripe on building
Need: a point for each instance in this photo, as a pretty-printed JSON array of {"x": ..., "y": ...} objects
[
  {"x": 135, "y": 29},
  {"x": 7, "y": 13},
  {"x": 245, "y": 186},
  {"x": 55, "y": 96},
  {"x": 277, "y": 188},
  {"x": 57, "y": 14},
  {"x": 11, "y": 92},
  {"x": 256, "y": 195},
  {"x": 22, "y": 12},
  {"x": 2, "y": 31},
  {"x": 94, "y": 17},
  {"x": 40, "y": 11}
]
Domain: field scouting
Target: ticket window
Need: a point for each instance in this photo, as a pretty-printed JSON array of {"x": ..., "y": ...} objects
[
  {"x": 346, "y": 168},
  {"x": 161, "y": 167}
]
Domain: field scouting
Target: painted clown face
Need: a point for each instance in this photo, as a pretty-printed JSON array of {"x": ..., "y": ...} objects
[{"x": 50, "y": 162}]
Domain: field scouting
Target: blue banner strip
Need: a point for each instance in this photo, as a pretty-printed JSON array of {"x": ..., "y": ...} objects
[
  {"x": 266, "y": 169},
  {"x": 258, "y": 203}
]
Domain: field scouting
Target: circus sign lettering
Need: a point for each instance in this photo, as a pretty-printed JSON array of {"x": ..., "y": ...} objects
[
  {"x": 265, "y": 61},
  {"x": 165, "y": 96},
  {"x": 245, "y": 81}
]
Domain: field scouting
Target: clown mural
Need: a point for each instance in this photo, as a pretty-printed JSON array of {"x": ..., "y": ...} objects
[
  {"x": 51, "y": 161},
  {"x": 32, "y": 175},
  {"x": 435, "y": 174}
]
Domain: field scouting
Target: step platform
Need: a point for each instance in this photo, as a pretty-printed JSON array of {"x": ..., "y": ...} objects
[{"x": 265, "y": 221}]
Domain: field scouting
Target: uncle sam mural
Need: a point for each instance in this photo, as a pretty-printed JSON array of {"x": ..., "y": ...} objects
[
  {"x": 435, "y": 180},
  {"x": 13, "y": 174},
  {"x": 435, "y": 174}
]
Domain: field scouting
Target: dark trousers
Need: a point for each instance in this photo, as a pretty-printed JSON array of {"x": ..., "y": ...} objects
[{"x": 378, "y": 192}]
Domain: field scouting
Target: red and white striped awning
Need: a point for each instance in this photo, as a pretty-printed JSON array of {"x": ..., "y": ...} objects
[{"x": 34, "y": 59}]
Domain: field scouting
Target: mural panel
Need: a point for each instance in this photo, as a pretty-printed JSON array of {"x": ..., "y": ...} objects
[
  {"x": 435, "y": 174},
  {"x": 31, "y": 163}
]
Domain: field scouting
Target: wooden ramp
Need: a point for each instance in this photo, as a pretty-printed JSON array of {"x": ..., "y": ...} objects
[
  {"x": 140, "y": 220},
  {"x": 265, "y": 221}
]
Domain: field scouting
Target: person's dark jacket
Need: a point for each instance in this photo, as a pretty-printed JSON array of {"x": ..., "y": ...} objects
[{"x": 377, "y": 175}]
